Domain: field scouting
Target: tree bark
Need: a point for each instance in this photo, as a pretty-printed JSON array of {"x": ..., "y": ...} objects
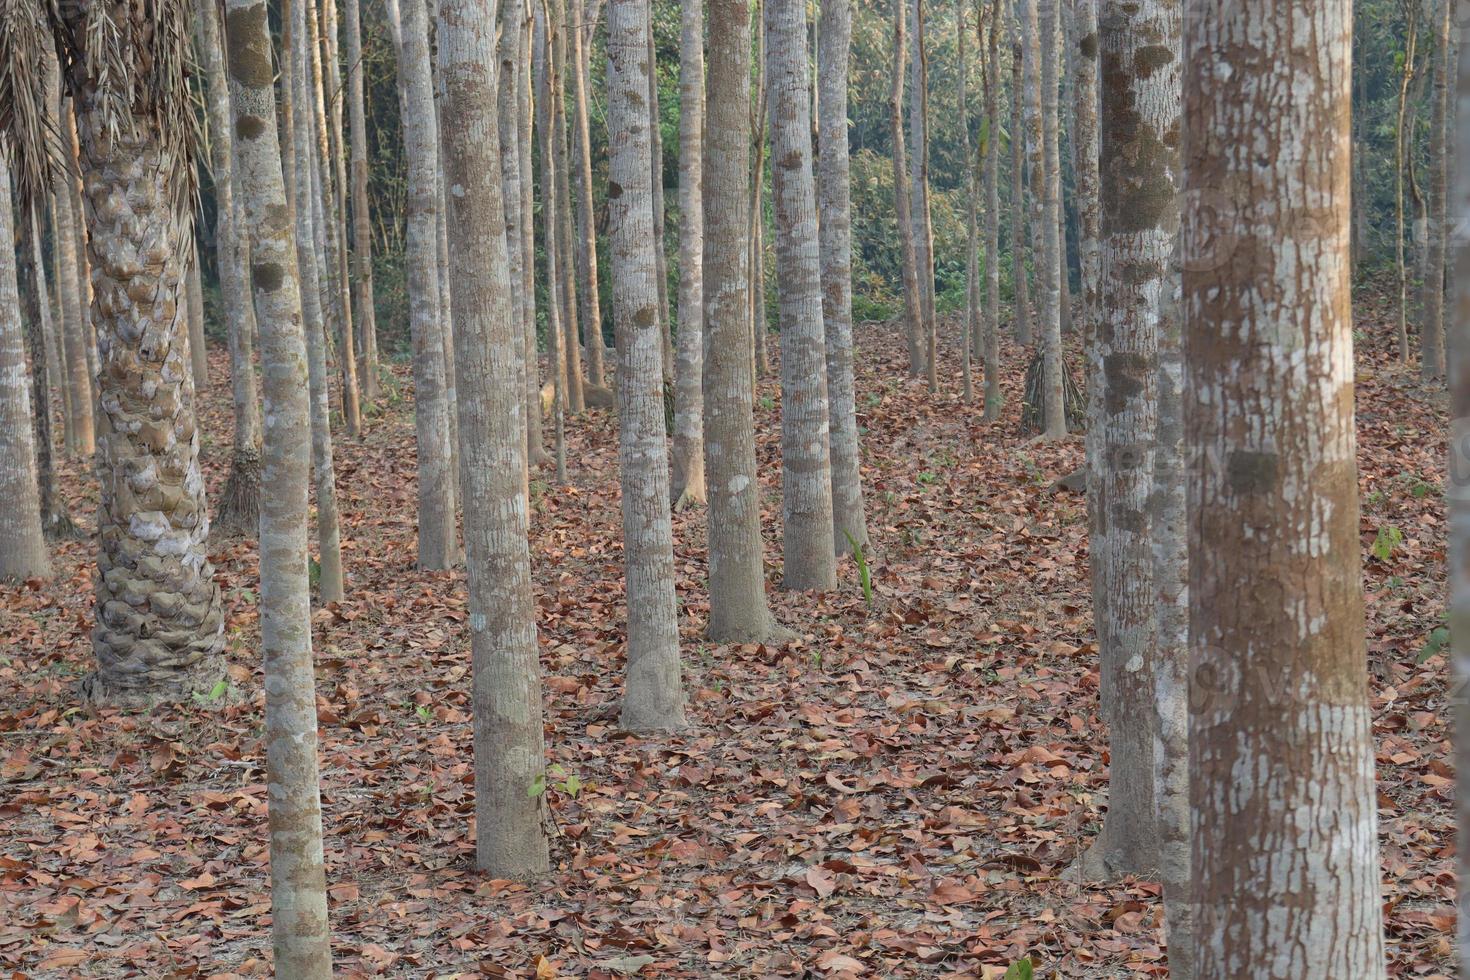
[
  {"x": 756, "y": 269},
  {"x": 550, "y": 241},
  {"x": 834, "y": 39},
  {"x": 737, "y": 584},
  {"x": 330, "y": 585},
  {"x": 362, "y": 235},
  {"x": 566, "y": 284},
  {"x": 438, "y": 548},
  {"x": 1021, "y": 316},
  {"x": 298, "y": 880},
  {"x": 660, "y": 255},
  {"x": 806, "y": 469},
  {"x": 688, "y": 454},
  {"x": 75, "y": 320},
  {"x": 194, "y": 297},
  {"x": 588, "y": 290},
  {"x": 991, "y": 149},
  {"x": 923, "y": 232},
  {"x": 56, "y": 522},
  {"x": 509, "y": 746},
  {"x": 970, "y": 329},
  {"x": 507, "y": 91},
  {"x": 1285, "y": 855},
  {"x": 23, "y": 552},
  {"x": 1431, "y": 335},
  {"x": 1085, "y": 144},
  {"x": 239, "y": 507},
  {"x": 654, "y": 697},
  {"x": 913, "y": 304},
  {"x": 1401, "y": 160},
  {"x": 1054, "y": 409},
  {"x": 535, "y": 440},
  {"x": 159, "y": 629}
]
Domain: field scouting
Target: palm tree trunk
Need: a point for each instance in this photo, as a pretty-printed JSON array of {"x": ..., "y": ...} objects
[{"x": 653, "y": 697}]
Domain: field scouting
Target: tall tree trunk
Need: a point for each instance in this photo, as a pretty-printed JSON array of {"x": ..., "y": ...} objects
[
  {"x": 535, "y": 440},
  {"x": 834, "y": 39},
  {"x": 688, "y": 455},
  {"x": 1054, "y": 409},
  {"x": 1401, "y": 160},
  {"x": 806, "y": 469},
  {"x": 654, "y": 695},
  {"x": 1431, "y": 335},
  {"x": 330, "y": 586},
  {"x": 1085, "y": 145},
  {"x": 56, "y": 522},
  {"x": 362, "y": 235},
  {"x": 919, "y": 187},
  {"x": 566, "y": 285},
  {"x": 555, "y": 350},
  {"x": 1021, "y": 315},
  {"x": 756, "y": 269},
  {"x": 588, "y": 294},
  {"x": 85, "y": 294},
  {"x": 75, "y": 319},
  {"x": 970, "y": 329},
  {"x": 913, "y": 304},
  {"x": 23, "y": 552},
  {"x": 1035, "y": 154},
  {"x": 437, "y": 545},
  {"x": 510, "y": 752},
  {"x": 1140, "y": 219},
  {"x": 508, "y": 127},
  {"x": 737, "y": 584},
  {"x": 331, "y": 62},
  {"x": 991, "y": 149},
  {"x": 1457, "y": 484},
  {"x": 194, "y": 298},
  {"x": 239, "y": 507},
  {"x": 298, "y": 880},
  {"x": 160, "y": 628},
  {"x": 1285, "y": 841},
  {"x": 655, "y": 128}
]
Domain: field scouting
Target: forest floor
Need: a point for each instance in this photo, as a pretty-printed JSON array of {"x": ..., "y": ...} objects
[{"x": 895, "y": 793}]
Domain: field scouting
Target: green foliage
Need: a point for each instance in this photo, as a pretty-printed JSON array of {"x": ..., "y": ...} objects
[
  {"x": 220, "y": 689},
  {"x": 865, "y": 575},
  {"x": 1439, "y": 638},
  {"x": 558, "y": 778},
  {"x": 1389, "y": 537},
  {"x": 1020, "y": 970}
]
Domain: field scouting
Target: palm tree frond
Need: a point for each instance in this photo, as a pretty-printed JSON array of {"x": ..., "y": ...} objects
[{"x": 27, "y": 127}]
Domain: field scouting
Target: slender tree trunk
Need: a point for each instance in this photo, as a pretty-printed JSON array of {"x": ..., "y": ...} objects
[
  {"x": 756, "y": 269},
  {"x": 913, "y": 304},
  {"x": 970, "y": 329},
  {"x": 566, "y": 284},
  {"x": 1401, "y": 151},
  {"x": 437, "y": 545},
  {"x": 1021, "y": 322},
  {"x": 75, "y": 319},
  {"x": 194, "y": 296},
  {"x": 834, "y": 39},
  {"x": 1035, "y": 155},
  {"x": 1457, "y": 484},
  {"x": 239, "y": 508},
  {"x": 298, "y": 879},
  {"x": 535, "y": 440},
  {"x": 1054, "y": 408},
  {"x": 1285, "y": 839},
  {"x": 507, "y": 92},
  {"x": 56, "y": 522},
  {"x": 1085, "y": 143},
  {"x": 588, "y": 293},
  {"x": 806, "y": 469},
  {"x": 654, "y": 696},
  {"x": 509, "y": 746},
  {"x": 1431, "y": 335},
  {"x": 555, "y": 352},
  {"x": 688, "y": 454},
  {"x": 991, "y": 149},
  {"x": 160, "y": 628},
  {"x": 738, "y": 610},
  {"x": 1140, "y": 219},
  {"x": 351, "y": 389},
  {"x": 23, "y": 552},
  {"x": 923, "y": 229},
  {"x": 362, "y": 236},
  {"x": 330, "y": 586},
  {"x": 655, "y": 124},
  {"x": 85, "y": 294}
]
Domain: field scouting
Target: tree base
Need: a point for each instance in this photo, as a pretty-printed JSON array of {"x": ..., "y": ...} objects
[
  {"x": 1033, "y": 405},
  {"x": 239, "y": 508},
  {"x": 196, "y": 685},
  {"x": 60, "y": 527}
]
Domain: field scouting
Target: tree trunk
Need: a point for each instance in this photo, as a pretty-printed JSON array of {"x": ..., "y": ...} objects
[
  {"x": 655, "y": 124},
  {"x": 351, "y": 389},
  {"x": 566, "y": 284},
  {"x": 298, "y": 881},
  {"x": 654, "y": 696},
  {"x": 806, "y": 469},
  {"x": 1431, "y": 335},
  {"x": 756, "y": 268},
  {"x": 1085, "y": 144},
  {"x": 510, "y": 751},
  {"x": 970, "y": 328},
  {"x": 362, "y": 235},
  {"x": 535, "y": 440},
  {"x": 834, "y": 39},
  {"x": 1035, "y": 154},
  {"x": 737, "y": 584},
  {"x": 239, "y": 506},
  {"x": 913, "y": 304},
  {"x": 1021, "y": 316},
  {"x": 75, "y": 319},
  {"x": 23, "y": 552},
  {"x": 194, "y": 297},
  {"x": 437, "y": 545},
  {"x": 1285, "y": 842},
  {"x": 1055, "y": 415},
  {"x": 555, "y": 352},
  {"x": 688, "y": 454},
  {"x": 1401, "y": 151},
  {"x": 159, "y": 630},
  {"x": 588, "y": 293},
  {"x": 919, "y": 208},
  {"x": 330, "y": 586},
  {"x": 991, "y": 148},
  {"x": 56, "y": 522},
  {"x": 507, "y": 90}
]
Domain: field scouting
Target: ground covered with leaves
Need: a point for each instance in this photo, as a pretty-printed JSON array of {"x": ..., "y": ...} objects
[{"x": 895, "y": 792}]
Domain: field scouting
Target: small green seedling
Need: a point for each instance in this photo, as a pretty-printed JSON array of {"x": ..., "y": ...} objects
[
  {"x": 1389, "y": 538},
  {"x": 555, "y": 777},
  {"x": 865, "y": 574}
]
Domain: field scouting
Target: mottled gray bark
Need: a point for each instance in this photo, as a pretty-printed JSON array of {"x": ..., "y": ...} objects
[
  {"x": 1021, "y": 314},
  {"x": 688, "y": 453},
  {"x": 834, "y": 38},
  {"x": 1054, "y": 410},
  {"x": 913, "y": 304},
  {"x": 194, "y": 297},
  {"x": 654, "y": 696},
  {"x": 535, "y": 440},
  {"x": 566, "y": 284},
  {"x": 298, "y": 880},
  {"x": 1285, "y": 845},
  {"x": 550, "y": 241},
  {"x": 509, "y": 746},
  {"x": 737, "y": 583},
  {"x": 362, "y": 232},
  {"x": 806, "y": 468},
  {"x": 660, "y": 252},
  {"x": 580, "y": 39}
]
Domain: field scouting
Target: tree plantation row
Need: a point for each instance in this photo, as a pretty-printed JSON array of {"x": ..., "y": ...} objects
[{"x": 552, "y": 612}]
